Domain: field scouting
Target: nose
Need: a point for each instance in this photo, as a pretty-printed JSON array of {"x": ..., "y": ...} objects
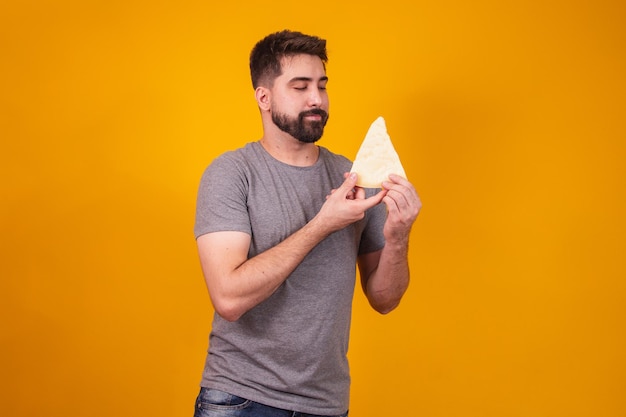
[{"x": 315, "y": 98}]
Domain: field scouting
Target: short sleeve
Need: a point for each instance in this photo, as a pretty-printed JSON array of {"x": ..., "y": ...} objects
[{"x": 222, "y": 197}]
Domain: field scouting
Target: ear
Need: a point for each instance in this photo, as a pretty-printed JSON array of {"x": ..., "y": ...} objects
[{"x": 263, "y": 97}]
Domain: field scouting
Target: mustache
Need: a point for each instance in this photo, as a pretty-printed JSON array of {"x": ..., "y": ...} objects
[{"x": 311, "y": 112}]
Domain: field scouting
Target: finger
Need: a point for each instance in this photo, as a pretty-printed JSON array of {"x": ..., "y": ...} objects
[
  {"x": 400, "y": 180},
  {"x": 403, "y": 203},
  {"x": 375, "y": 199},
  {"x": 402, "y": 186},
  {"x": 392, "y": 206},
  {"x": 348, "y": 184},
  {"x": 359, "y": 193}
]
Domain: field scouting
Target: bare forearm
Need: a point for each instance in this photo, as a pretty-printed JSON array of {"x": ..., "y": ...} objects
[
  {"x": 390, "y": 280},
  {"x": 258, "y": 278}
]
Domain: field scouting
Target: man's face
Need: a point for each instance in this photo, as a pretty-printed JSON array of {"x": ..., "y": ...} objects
[{"x": 300, "y": 101}]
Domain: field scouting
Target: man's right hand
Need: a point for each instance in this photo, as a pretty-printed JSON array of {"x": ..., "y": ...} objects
[{"x": 346, "y": 205}]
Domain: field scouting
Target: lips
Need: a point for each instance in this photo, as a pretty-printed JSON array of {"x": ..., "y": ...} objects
[{"x": 315, "y": 114}]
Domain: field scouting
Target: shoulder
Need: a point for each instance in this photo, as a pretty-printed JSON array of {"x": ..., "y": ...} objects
[
  {"x": 245, "y": 154},
  {"x": 229, "y": 172},
  {"x": 234, "y": 161}
]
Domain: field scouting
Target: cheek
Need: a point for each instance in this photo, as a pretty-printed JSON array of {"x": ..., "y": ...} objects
[
  {"x": 325, "y": 100},
  {"x": 282, "y": 101}
]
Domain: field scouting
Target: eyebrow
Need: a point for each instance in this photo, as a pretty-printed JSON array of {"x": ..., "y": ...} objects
[{"x": 306, "y": 79}]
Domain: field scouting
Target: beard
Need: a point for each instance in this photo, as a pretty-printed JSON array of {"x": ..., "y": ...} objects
[{"x": 305, "y": 131}]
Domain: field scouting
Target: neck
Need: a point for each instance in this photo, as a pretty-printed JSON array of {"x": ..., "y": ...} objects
[{"x": 289, "y": 150}]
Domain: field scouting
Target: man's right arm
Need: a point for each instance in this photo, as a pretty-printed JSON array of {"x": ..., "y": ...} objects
[{"x": 236, "y": 284}]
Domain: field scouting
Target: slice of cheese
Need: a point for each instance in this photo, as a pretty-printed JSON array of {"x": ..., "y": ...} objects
[{"x": 376, "y": 158}]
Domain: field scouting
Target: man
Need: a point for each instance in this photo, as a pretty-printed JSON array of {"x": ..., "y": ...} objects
[{"x": 279, "y": 234}]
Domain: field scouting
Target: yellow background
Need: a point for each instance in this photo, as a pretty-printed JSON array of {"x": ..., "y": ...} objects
[{"x": 508, "y": 116}]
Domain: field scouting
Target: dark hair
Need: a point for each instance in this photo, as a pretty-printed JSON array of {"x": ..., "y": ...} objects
[{"x": 266, "y": 56}]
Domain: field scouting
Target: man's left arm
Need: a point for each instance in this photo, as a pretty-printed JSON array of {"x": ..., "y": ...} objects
[{"x": 385, "y": 273}]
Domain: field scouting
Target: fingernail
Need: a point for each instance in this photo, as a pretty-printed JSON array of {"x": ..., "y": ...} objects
[{"x": 353, "y": 175}]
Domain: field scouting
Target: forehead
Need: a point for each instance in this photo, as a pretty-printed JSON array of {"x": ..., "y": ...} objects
[{"x": 302, "y": 66}]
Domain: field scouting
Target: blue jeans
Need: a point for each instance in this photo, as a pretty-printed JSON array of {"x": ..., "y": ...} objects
[{"x": 214, "y": 403}]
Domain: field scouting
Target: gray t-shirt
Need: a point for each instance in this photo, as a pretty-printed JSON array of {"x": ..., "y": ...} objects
[{"x": 290, "y": 350}]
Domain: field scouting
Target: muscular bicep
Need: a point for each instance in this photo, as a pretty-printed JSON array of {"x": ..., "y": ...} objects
[{"x": 221, "y": 253}]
